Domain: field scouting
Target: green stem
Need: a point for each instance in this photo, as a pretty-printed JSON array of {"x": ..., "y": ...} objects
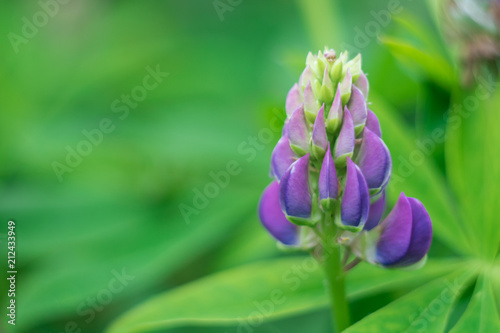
[{"x": 335, "y": 276}]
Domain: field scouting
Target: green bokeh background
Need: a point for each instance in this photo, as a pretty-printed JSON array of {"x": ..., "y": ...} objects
[{"x": 118, "y": 209}]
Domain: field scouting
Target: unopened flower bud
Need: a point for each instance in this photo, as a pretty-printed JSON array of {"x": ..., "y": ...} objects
[
  {"x": 334, "y": 119},
  {"x": 293, "y": 100},
  {"x": 344, "y": 146},
  {"x": 355, "y": 200},
  {"x": 358, "y": 109},
  {"x": 374, "y": 160},
  {"x": 328, "y": 183},
  {"x": 362, "y": 84},
  {"x": 298, "y": 133},
  {"x": 319, "y": 137},
  {"x": 373, "y": 124},
  {"x": 295, "y": 196}
]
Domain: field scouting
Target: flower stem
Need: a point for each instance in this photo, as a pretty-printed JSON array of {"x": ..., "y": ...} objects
[{"x": 335, "y": 276}]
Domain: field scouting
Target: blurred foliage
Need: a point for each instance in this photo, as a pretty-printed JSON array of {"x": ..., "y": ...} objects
[{"x": 119, "y": 209}]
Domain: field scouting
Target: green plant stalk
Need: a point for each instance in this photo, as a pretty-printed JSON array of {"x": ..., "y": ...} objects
[{"x": 335, "y": 276}]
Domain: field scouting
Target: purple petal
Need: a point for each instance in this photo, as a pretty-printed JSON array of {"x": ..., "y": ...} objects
[
  {"x": 362, "y": 84},
  {"x": 356, "y": 200},
  {"x": 377, "y": 209},
  {"x": 328, "y": 183},
  {"x": 272, "y": 217},
  {"x": 421, "y": 234},
  {"x": 344, "y": 146},
  {"x": 282, "y": 157},
  {"x": 335, "y": 115},
  {"x": 319, "y": 137},
  {"x": 373, "y": 124},
  {"x": 295, "y": 198},
  {"x": 357, "y": 106},
  {"x": 396, "y": 233},
  {"x": 293, "y": 100},
  {"x": 297, "y": 131},
  {"x": 374, "y": 160}
]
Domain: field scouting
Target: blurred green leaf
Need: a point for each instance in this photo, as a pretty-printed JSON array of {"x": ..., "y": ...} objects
[
  {"x": 482, "y": 314},
  {"x": 416, "y": 312},
  {"x": 226, "y": 297},
  {"x": 473, "y": 165},
  {"x": 416, "y": 60},
  {"x": 147, "y": 250}
]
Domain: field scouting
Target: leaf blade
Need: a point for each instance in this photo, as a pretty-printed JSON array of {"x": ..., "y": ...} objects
[{"x": 239, "y": 290}]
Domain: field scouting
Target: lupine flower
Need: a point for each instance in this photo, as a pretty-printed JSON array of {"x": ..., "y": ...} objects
[
  {"x": 295, "y": 196},
  {"x": 405, "y": 234},
  {"x": 332, "y": 165}
]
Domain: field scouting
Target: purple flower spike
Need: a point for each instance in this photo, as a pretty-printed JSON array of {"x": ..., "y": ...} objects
[
  {"x": 344, "y": 146},
  {"x": 293, "y": 100},
  {"x": 319, "y": 138},
  {"x": 356, "y": 200},
  {"x": 362, "y": 84},
  {"x": 282, "y": 157},
  {"x": 373, "y": 124},
  {"x": 406, "y": 234},
  {"x": 328, "y": 183},
  {"x": 298, "y": 133},
  {"x": 375, "y": 162},
  {"x": 335, "y": 116},
  {"x": 273, "y": 219},
  {"x": 295, "y": 197},
  {"x": 357, "y": 106},
  {"x": 377, "y": 209}
]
